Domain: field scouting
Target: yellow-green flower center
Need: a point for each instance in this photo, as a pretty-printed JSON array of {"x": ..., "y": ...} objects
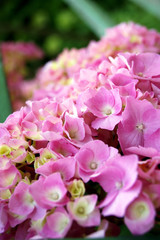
[{"x": 81, "y": 210}]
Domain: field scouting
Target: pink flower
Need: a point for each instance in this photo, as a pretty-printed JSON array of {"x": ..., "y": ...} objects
[
  {"x": 125, "y": 84},
  {"x": 140, "y": 121},
  {"x": 22, "y": 203},
  {"x": 31, "y": 127},
  {"x": 44, "y": 108},
  {"x": 63, "y": 148},
  {"x": 83, "y": 210},
  {"x": 140, "y": 215},
  {"x": 119, "y": 180},
  {"x": 57, "y": 224},
  {"x": 106, "y": 105},
  {"x": 60, "y": 156},
  {"x": 74, "y": 127},
  {"x": 52, "y": 129},
  {"x": 19, "y": 155},
  {"x": 4, "y": 135},
  {"x": 49, "y": 191},
  {"x": 65, "y": 166},
  {"x": 144, "y": 65},
  {"x": 86, "y": 78},
  {"x": 91, "y": 157},
  {"x": 15, "y": 219},
  {"x": 9, "y": 176}
]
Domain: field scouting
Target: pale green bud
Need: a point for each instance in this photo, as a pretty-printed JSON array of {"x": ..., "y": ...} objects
[
  {"x": 76, "y": 188},
  {"x": 5, "y": 150}
]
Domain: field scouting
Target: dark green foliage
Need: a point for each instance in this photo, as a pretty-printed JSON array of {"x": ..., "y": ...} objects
[{"x": 53, "y": 25}]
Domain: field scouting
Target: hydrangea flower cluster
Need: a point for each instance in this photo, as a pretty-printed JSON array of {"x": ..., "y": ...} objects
[
  {"x": 125, "y": 37},
  {"x": 85, "y": 160},
  {"x": 50, "y": 79}
]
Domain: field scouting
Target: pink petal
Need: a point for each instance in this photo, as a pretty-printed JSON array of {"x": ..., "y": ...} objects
[
  {"x": 116, "y": 207},
  {"x": 140, "y": 215}
]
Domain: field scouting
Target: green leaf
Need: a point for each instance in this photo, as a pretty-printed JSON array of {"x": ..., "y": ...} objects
[
  {"x": 92, "y": 15},
  {"x": 152, "y": 6},
  {"x": 5, "y": 105}
]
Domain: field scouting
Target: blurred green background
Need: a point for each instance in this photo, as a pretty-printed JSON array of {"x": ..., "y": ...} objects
[{"x": 53, "y": 25}]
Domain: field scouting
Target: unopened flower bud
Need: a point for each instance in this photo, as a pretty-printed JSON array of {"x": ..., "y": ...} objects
[
  {"x": 5, "y": 150},
  {"x": 76, "y": 188}
]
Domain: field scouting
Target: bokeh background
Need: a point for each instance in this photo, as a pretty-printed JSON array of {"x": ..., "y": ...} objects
[{"x": 53, "y": 25}]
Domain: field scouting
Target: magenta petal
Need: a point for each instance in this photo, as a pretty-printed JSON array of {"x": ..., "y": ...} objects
[
  {"x": 65, "y": 166},
  {"x": 37, "y": 213},
  {"x": 140, "y": 215},
  {"x": 49, "y": 191},
  {"x": 108, "y": 123},
  {"x": 144, "y": 151},
  {"x": 88, "y": 155},
  {"x": 129, "y": 164},
  {"x": 3, "y": 217},
  {"x": 74, "y": 127},
  {"x": 108, "y": 199},
  {"x": 21, "y": 201},
  {"x": 93, "y": 219},
  {"x": 109, "y": 178},
  {"x": 58, "y": 224},
  {"x": 118, "y": 206}
]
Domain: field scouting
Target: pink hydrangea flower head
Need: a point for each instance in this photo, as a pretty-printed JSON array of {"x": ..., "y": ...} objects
[
  {"x": 60, "y": 155},
  {"x": 140, "y": 215}
]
